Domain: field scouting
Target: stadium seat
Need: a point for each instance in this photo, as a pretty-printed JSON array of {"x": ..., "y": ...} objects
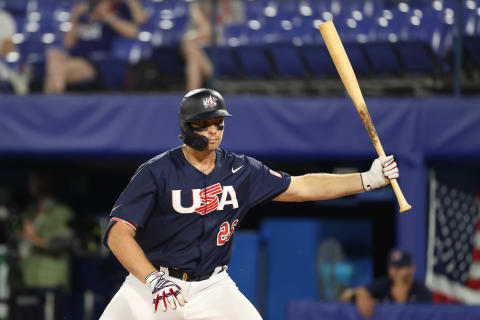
[
  {"x": 169, "y": 61},
  {"x": 280, "y": 41},
  {"x": 131, "y": 50},
  {"x": 287, "y": 60},
  {"x": 15, "y": 7},
  {"x": 318, "y": 60},
  {"x": 358, "y": 59},
  {"x": 225, "y": 62},
  {"x": 472, "y": 47},
  {"x": 255, "y": 61},
  {"x": 417, "y": 57},
  {"x": 383, "y": 58}
]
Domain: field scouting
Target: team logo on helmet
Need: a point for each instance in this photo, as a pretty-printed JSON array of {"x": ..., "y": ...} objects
[{"x": 209, "y": 102}]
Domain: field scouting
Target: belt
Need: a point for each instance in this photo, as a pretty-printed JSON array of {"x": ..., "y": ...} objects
[{"x": 179, "y": 274}]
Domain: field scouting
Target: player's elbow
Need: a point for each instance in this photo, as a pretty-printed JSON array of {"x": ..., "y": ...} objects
[
  {"x": 296, "y": 191},
  {"x": 117, "y": 234}
]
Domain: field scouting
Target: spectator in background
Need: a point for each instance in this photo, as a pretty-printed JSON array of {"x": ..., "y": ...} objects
[
  {"x": 11, "y": 79},
  {"x": 398, "y": 287},
  {"x": 46, "y": 237},
  {"x": 95, "y": 25},
  {"x": 198, "y": 66}
]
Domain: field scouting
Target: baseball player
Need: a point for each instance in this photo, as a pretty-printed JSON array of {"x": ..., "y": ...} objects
[{"x": 172, "y": 227}]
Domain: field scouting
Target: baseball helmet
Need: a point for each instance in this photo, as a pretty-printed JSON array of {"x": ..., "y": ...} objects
[{"x": 199, "y": 104}]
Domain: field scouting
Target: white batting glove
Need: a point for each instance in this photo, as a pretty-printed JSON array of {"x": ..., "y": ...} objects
[
  {"x": 382, "y": 170},
  {"x": 163, "y": 291}
]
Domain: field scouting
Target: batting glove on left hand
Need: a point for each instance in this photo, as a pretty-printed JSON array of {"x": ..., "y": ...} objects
[
  {"x": 164, "y": 290},
  {"x": 382, "y": 170}
]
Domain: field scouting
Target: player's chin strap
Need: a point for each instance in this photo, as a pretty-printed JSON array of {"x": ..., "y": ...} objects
[{"x": 194, "y": 140}]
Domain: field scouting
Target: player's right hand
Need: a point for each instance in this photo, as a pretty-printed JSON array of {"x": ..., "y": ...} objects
[
  {"x": 164, "y": 291},
  {"x": 382, "y": 170}
]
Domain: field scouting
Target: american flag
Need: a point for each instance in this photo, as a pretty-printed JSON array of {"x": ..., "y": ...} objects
[{"x": 453, "y": 265}]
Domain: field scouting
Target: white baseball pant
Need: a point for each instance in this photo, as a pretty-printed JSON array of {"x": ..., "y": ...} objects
[{"x": 216, "y": 298}]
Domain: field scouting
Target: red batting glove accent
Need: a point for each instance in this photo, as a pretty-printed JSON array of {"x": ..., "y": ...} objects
[
  {"x": 156, "y": 302},
  {"x": 174, "y": 296},
  {"x": 392, "y": 169},
  {"x": 165, "y": 299},
  {"x": 389, "y": 163}
]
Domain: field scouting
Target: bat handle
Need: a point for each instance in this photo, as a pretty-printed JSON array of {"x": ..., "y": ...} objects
[{"x": 402, "y": 202}]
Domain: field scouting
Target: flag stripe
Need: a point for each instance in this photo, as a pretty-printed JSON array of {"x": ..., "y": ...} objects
[
  {"x": 473, "y": 284},
  {"x": 477, "y": 240},
  {"x": 475, "y": 271},
  {"x": 442, "y": 285},
  {"x": 453, "y": 266},
  {"x": 476, "y": 254}
]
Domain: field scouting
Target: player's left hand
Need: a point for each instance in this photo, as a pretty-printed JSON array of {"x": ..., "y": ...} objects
[
  {"x": 382, "y": 170},
  {"x": 164, "y": 291}
]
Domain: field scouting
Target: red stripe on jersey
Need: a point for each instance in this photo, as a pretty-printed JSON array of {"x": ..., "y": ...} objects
[
  {"x": 128, "y": 223},
  {"x": 216, "y": 188}
]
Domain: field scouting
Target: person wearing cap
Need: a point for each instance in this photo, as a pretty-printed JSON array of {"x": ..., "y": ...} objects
[
  {"x": 398, "y": 287},
  {"x": 173, "y": 225}
]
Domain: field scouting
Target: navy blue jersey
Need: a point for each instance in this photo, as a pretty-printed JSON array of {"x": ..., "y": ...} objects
[
  {"x": 95, "y": 39},
  {"x": 184, "y": 218},
  {"x": 381, "y": 288}
]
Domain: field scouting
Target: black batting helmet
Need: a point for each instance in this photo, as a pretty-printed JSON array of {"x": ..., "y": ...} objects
[{"x": 199, "y": 104}]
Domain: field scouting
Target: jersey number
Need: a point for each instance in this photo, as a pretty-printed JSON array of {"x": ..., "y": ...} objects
[{"x": 225, "y": 232}]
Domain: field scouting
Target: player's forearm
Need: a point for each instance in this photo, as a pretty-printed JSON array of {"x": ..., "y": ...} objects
[
  {"x": 362, "y": 293},
  {"x": 128, "y": 252},
  {"x": 138, "y": 14},
  {"x": 70, "y": 38},
  {"x": 324, "y": 186}
]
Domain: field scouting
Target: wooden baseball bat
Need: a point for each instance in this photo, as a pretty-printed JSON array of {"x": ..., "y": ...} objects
[{"x": 345, "y": 70}]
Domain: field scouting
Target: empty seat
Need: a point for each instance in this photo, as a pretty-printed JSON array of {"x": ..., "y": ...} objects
[
  {"x": 225, "y": 62},
  {"x": 417, "y": 57}
]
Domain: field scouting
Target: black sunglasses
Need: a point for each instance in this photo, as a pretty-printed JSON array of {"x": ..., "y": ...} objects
[{"x": 204, "y": 128}]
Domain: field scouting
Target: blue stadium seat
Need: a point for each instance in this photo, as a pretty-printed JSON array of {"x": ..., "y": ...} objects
[
  {"x": 169, "y": 61},
  {"x": 287, "y": 60},
  {"x": 357, "y": 58},
  {"x": 131, "y": 50},
  {"x": 417, "y": 57},
  {"x": 253, "y": 56},
  {"x": 15, "y": 7},
  {"x": 383, "y": 58},
  {"x": 279, "y": 40},
  {"x": 167, "y": 21},
  {"x": 318, "y": 60},
  {"x": 472, "y": 47},
  {"x": 254, "y": 60},
  {"x": 254, "y": 10},
  {"x": 225, "y": 62}
]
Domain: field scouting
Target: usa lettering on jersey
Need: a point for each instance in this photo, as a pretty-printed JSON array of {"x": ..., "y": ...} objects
[{"x": 206, "y": 200}]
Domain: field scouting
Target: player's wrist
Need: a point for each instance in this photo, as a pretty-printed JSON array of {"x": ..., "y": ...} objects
[
  {"x": 367, "y": 181},
  {"x": 153, "y": 277}
]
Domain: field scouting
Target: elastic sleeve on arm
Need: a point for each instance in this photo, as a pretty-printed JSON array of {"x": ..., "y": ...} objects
[
  {"x": 265, "y": 184},
  {"x": 136, "y": 202}
]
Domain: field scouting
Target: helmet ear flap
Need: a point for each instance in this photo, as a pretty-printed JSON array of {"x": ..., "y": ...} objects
[{"x": 192, "y": 139}]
